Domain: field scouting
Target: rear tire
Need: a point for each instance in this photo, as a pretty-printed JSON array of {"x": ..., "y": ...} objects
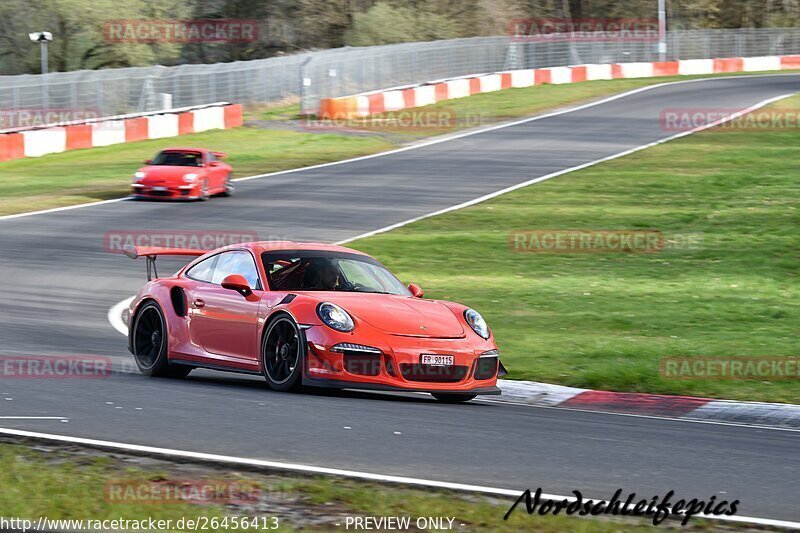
[
  {"x": 282, "y": 354},
  {"x": 454, "y": 398},
  {"x": 150, "y": 344}
]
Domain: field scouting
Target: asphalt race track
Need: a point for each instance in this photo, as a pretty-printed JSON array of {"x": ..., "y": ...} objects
[{"x": 58, "y": 284}]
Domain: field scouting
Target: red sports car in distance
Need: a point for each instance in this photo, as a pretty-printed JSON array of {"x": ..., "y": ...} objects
[
  {"x": 183, "y": 173},
  {"x": 309, "y": 314}
]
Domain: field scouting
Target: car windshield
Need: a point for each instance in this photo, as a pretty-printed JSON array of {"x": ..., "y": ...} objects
[
  {"x": 178, "y": 159},
  {"x": 315, "y": 270}
]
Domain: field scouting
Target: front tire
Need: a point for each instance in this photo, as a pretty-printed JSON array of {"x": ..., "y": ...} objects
[
  {"x": 204, "y": 194},
  {"x": 150, "y": 344},
  {"x": 282, "y": 352},
  {"x": 229, "y": 187},
  {"x": 454, "y": 398}
]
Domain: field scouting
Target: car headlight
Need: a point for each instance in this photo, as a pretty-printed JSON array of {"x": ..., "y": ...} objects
[
  {"x": 477, "y": 323},
  {"x": 138, "y": 176},
  {"x": 189, "y": 178},
  {"x": 335, "y": 317}
]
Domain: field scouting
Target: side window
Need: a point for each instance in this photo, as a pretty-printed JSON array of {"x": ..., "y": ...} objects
[
  {"x": 211, "y": 157},
  {"x": 236, "y": 263},
  {"x": 355, "y": 273},
  {"x": 204, "y": 270}
]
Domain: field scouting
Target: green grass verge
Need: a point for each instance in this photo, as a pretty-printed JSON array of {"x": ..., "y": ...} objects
[
  {"x": 100, "y": 173},
  {"x": 81, "y": 176},
  {"x": 606, "y": 320},
  {"x": 61, "y": 485}
]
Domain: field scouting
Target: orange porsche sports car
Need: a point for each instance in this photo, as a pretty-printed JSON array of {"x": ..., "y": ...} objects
[
  {"x": 183, "y": 173},
  {"x": 307, "y": 314}
]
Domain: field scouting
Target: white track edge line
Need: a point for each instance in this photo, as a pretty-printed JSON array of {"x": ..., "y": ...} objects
[
  {"x": 308, "y": 469},
  {"x": 493, "y": 127},
  {"x": 437, "y": 140},
  {"x": 582, "y": 166},
  {"x": 64, "y": 208},
  {"x": 637, "y": 415},
  {"x": 33, "y": 418},
  {"x": 115, "y": 315}
]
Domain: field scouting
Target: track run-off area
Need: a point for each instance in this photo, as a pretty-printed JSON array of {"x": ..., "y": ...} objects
[{"x": 58, "y": 284}]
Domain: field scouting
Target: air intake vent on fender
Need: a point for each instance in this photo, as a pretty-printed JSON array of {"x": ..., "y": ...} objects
[{"x": 178, "y": 298}]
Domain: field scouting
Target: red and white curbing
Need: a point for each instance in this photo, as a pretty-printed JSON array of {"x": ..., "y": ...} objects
[
  {"x": 35, "y": 142},
  {"x": 656, "y": 405},
  {"x": 399, "y": 98}
]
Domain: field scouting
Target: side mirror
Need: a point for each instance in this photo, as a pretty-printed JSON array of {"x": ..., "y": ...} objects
[
  {"x": 214, "y": 164},
  {"x": 416, "y": 292},
  {"x": 236, "y": 282},
  {"x": 148, "y": 161}
]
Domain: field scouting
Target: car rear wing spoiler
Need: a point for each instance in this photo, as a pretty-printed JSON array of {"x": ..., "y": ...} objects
[{"x": 152, "y": 252}]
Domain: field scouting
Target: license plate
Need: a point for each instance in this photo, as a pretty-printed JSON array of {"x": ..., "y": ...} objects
[
  {"x": 437, "y": 360},
  {"x": 159, "y": 188}
]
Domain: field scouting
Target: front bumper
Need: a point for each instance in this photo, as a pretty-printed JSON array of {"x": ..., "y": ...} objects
[
  {"x": 337, "y": 384},
  {"x": 396, "y": 363},
  {"x": 178, "y": 192}
]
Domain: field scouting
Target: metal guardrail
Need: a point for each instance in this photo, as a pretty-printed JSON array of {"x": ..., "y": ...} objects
[{"x": 338, "y": 72}]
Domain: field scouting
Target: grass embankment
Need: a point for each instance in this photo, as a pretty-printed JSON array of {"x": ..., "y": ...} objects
[
  {"x": 81, "y": 176},
  {"x": 80, "y": 485},
  {"x": 605, "y": 320},
  {"x": 101, "y": 173}
]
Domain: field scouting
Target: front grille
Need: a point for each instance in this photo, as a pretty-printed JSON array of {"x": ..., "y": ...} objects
[
  {"x": 486, "y": 368},
  {"x": 362, "y": 364},
  {"x": 437, "y": 374},
  {"x": 159, "y": 193}
]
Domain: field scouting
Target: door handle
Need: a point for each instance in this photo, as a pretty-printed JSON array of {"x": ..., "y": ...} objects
[{"x": 198, "y": 302}]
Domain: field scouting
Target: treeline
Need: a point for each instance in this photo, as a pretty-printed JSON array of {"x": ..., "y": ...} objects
[{"x": 289, "y": 26}]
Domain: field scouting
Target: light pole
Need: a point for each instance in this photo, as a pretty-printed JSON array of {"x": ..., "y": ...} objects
[
  {"x": 662, "y": 30},
  {"x": 43, "y": 37}
]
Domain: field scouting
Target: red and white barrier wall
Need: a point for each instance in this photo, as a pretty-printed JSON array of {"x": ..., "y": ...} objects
[
  {"x": 395, "y": 99},
  {"x": 35, "y": 142}
]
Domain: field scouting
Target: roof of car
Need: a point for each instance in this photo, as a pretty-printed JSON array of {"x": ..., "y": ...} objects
[
  {"x": 268, "y": 246},
  {"x": 184, "y": 149}
]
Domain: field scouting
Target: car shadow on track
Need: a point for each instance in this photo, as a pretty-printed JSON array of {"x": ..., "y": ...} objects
[{"x": 256, "y": 383}]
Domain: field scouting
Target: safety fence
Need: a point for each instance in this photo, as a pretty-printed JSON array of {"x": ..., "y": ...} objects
[
  {"x": 399, "y": 98},
  {"x": 313, "y": 76}
]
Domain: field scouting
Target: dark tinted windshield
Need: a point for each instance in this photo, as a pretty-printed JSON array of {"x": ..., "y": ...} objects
[
  {"x": 313, "y": 270},
  {"x": 179, "y": 159}
]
